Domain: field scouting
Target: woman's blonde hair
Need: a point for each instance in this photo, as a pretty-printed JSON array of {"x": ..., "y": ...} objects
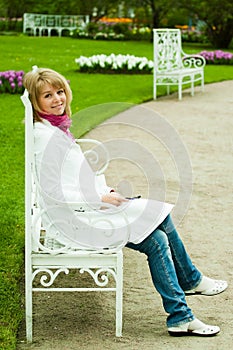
[{"x": 34, "y": 82}]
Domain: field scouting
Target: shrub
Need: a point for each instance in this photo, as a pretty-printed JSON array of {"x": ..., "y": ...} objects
[
  {"x": 9, "y": 25},
  {"x": 112, "y": 31}
]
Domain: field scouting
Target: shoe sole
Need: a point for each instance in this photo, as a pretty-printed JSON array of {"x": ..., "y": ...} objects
[
  {"x": 191, "y": 333},
  {"x": 208, "y": 292},
  {"x": 203, "y": 293}
]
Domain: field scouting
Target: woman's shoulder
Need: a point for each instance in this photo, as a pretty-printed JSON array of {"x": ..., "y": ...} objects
[
  {"x": 43, "y": 128},
  {"x": 43, "y": 125},
  {"x": 45, "y": 132}
]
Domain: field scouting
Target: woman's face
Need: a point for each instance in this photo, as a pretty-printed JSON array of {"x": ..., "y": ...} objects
[{"x": 52, "y": 100}]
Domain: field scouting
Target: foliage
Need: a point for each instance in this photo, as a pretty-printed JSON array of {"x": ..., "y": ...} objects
[
  {"x": 114, "y": 64},
  {"x": 218, "y": 17},
  {"x": 8, "y": 25},
  {"x": 15, "y": 8},
  {"x": 11, "y": 81},
  {"x": 112, "y": 30},
  {"x": 159, "y": 9},
  {"x": 193, "y": 36}
]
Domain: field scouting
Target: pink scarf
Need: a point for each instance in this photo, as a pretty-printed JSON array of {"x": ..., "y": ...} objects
[{"x": 63, "y": 122}]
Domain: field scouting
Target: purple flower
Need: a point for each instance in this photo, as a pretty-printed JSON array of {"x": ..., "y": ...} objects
[
  {"x": 228, "y": 56},
  {"x": 218, "y": 57},
  {"x": 20, "y": 73},
  {"x": 11, "y": 81}
]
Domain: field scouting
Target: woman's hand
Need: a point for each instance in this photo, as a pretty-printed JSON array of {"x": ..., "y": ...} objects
[{"x": 114, "y": 198}]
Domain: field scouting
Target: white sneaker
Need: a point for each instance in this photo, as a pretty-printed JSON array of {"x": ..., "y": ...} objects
[
  {"x": 209, "y": 287},
  {"x": 194, "y": 328}
]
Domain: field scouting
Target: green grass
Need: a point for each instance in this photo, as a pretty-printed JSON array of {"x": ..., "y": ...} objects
[
  {"x": 22, "y": 52},
  {"x": 12, "y": 220}
]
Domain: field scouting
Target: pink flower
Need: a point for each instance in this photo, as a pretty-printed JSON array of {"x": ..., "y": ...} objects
[{"x": 217, "y": 56}]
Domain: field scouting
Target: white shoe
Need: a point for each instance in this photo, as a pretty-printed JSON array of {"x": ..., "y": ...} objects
[
  {"x": 194, "y": 328},
  {"x": 208, "y": 287}
]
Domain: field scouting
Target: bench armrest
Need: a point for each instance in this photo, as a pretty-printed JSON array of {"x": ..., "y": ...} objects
[{"x": 193, "y": 61}]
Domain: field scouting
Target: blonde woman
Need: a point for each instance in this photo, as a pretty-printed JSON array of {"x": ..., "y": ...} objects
[{"x": 64, "y": 174}]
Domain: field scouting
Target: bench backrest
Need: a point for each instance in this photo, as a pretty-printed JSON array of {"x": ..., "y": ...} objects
[
  {"x": 167, "y": 50},
  {"x": 47, "y": 218}
]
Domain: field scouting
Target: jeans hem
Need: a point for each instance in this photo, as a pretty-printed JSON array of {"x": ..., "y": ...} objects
[
  {"x": 197, "y": 283},
  {"x": 177, "y": 324}
]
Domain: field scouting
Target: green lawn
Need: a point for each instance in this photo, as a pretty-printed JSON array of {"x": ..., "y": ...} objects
[{"x": 20, "y": 53}]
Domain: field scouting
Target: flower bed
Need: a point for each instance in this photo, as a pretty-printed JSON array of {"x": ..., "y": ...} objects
[
  {"x": 112, "y": 29},
  {"x": 11, "y": 81},
  {"x": 114, "y": 64},
  {"x": 217, "y": 57}
]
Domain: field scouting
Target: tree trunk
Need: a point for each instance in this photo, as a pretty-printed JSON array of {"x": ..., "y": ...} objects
[
  {"x": 155, "y": 19},
  {"x": 221, "y": 36}
]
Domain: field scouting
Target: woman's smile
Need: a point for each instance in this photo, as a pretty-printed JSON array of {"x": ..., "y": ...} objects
[
  {"x": 59, "y": 107},
  {"x": 52, "y": 100}
]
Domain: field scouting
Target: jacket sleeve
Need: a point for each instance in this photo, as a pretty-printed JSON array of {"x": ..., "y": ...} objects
[{"x": 63, "y": 172}]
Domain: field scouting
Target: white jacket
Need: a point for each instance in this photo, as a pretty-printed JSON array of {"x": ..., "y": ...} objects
[{"x": 66, "y": 177}]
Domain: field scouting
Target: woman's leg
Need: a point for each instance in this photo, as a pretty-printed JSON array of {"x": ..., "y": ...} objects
[
  {"x": 188, "y": 275},
  {"x": 163, "y": 272},
  {"x": 190, "y": 279}
]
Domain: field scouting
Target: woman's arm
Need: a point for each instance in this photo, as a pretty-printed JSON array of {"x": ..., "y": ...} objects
[{"x": 114, "y": 198}]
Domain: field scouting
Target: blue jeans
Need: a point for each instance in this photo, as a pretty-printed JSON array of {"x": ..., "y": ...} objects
[{"x": 171, "y": 269}]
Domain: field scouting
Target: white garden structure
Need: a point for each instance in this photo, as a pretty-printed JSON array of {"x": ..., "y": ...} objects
[
  {"x": 41, "y": 24},
  {"x": 46, "y": 260},
  {"x": 172, "y": 66}
]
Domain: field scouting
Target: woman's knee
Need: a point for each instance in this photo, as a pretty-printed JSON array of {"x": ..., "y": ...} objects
[
  {"x": 167, "y": 225},
  {"x": 160, "y": 238},
  {"x": 156, "y": 242}
]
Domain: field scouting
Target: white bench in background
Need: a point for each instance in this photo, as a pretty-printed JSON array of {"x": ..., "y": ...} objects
[
  {"x": 172, "y": 66},
  {"x": 42, "y": 24}
]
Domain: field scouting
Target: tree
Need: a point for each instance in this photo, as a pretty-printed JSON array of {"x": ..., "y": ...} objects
[
  {"x": 158, "y": 8},
  {"x": 218, "y": 17},
  {"x": 16, "y": 8}
]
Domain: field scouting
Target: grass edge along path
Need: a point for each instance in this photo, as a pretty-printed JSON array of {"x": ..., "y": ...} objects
[{"x": 89, "y": 90}]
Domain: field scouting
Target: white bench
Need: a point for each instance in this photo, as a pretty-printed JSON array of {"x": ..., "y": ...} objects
[
  {"x": 42, "y": 24},
  {"x": 172, "y": 66},
  {"x": 46, "y": 259}
]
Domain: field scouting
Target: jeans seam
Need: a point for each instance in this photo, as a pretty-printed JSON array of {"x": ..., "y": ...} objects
[
  {"x": 185, "y": 277},
  {"x": 164, "y": 266}
]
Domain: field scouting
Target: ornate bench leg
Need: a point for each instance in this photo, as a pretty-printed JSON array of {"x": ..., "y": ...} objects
[
  {"x": 155, "y": 90},
  {"x": 192, "y": 87},
  {"x": 28, "y": 302},
  {"x": 180, "y": 90},
  {"x": 119, "y": 294},
  {"x": 202, "y": 82}
]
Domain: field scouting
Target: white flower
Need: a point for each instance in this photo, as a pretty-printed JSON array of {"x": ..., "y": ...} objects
[
  {"x": 114, "y": 65},
  {"x": 115, "y": 62},
  {"x": 109, "y": 60}
]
